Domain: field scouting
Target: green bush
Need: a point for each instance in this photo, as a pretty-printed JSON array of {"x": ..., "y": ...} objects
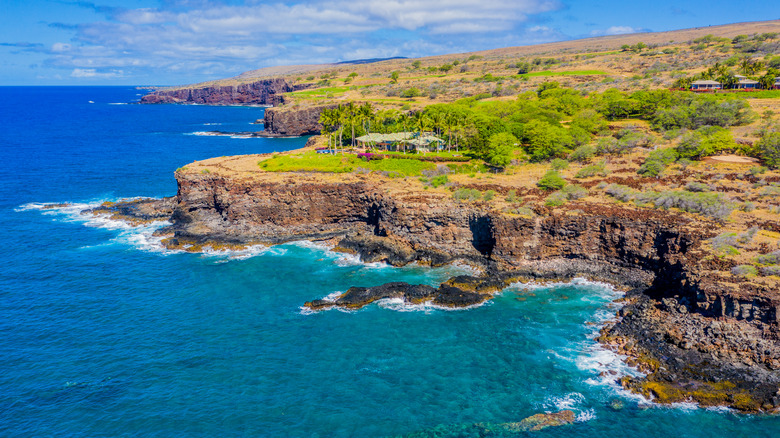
[
  {"x": 772, "y": 258},
  {"x": 574, "y": 191},
  {"x": 512, "y": 196},
  {"x": 583, "y": 153},
  {"x": 657, "y": 161},
  {"x": 744, "y": 271},
  {"x": 439, "y": 181},
  {"x": 488, "y": 196},
  {"x": 695, "y": 186},
  {"x": 467, "y": 194},
  {"x": 714, "y": 205},
  {"x": 556, "y": 199},
  {"x": 559, "y": 164},
  {"x": 599, "y": 169},
  {"x": 768, "y": 149},
  {"x": 551, "y": 180}
]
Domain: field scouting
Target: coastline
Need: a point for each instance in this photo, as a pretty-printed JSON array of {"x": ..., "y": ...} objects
[{"x": 657, "y": 256}]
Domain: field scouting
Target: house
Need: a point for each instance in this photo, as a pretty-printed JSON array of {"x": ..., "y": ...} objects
[
  {"x": 704, "y": 85},
  {"x": 777, "y": 84},
  {"x": 747, "y": 84},
  {"x": 401, "y": 141}
]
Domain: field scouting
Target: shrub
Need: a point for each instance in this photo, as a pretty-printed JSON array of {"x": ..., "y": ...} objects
[
  {"x": 772, "y": 258},
  {"x": 559, "y": 164},
  {"x": 657, "y": 161},
  {"x": 411, "y": 92},
  {"x": 695, "y": 186},
  {"x": 583, "y": 153},
  {"x": 620, "y": 192},
  {"x": 551, "y": 180},
  {"x": 744, "y": 270},
  {"x": 768, "y": 149},
  {"x": 770, "y": 270},
  {"x": 713, "y": 205},
  {"x": 556, "y": 199},
  {"x": 439, "y": 181},
  {"x": 512, "y": 196},
  {"x": 574, "y": 191},
  {"x": 757, "y": 170},
  {"x": 592, "y": 170},
  {"x": 488, "y": 196},
  {"x": 467, "y": 194}
]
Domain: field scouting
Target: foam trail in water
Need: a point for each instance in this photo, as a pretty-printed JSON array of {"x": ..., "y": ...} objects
[{"x": 139, "y": 236}]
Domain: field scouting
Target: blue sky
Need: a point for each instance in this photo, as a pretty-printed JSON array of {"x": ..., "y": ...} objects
[{"x": 166, "y": 42}]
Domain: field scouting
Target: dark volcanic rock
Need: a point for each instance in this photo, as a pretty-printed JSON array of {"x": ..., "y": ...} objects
[
  {"x": 294, "y": 121},
  {"x": 261, "y": 92},
  {"x": 725, "y": 333},
  {"x": 453, "y": 297},
  {"x": 137, "y": 210}
]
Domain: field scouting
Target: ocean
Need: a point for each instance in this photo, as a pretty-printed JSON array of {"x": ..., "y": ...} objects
[{"x": 105, "y": 334}]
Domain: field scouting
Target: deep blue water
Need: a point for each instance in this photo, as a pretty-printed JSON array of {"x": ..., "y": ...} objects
[{"x": 104, "y": 334}]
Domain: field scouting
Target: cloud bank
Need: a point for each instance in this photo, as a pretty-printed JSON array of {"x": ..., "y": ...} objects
[{"x": 210, "y": 38}]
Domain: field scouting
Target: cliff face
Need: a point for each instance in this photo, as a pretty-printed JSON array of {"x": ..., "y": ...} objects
[
  {"x": 274, "y": 208},
  {"x": 700, "y": 335},
  {"x": 294, "y": 121},
  {"x": 264, "y": 92}
]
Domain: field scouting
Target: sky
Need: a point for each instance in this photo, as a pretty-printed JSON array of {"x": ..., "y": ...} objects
[{"x": 170, "y": 42}]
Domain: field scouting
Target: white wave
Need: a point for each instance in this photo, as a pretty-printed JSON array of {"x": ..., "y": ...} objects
[
  {"x": 139, "y": 236},
  {"x": 118, "y": 103},
  {"x": 400, "y": 305},
  {"x": 586, "y": 415},
  {"x": 569, "y": 401},
  {"x": 212, "y": 124},
  {"x": 226, "y": 255}
]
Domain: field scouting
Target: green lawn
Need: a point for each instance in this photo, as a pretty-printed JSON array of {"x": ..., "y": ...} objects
[
  {"x": 565, "y": 73},
  {"x": 314, "y": 162}
]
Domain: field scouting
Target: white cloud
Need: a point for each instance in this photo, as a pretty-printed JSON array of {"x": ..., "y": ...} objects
[
  {"x": 93, "y": 73},
  {"x": 618, "y": 30},
  {"x": 60, "y": 47},
  {"x": 200, "y": 36}
]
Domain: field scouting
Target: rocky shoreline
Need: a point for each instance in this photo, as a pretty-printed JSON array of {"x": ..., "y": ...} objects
[{"x": 698, "y": 338}]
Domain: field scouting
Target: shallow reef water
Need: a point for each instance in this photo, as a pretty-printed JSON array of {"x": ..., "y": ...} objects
[{"x": 104, "y": 333}]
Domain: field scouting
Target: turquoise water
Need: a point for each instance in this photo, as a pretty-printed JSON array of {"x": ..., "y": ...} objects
[{"x": 102, "y": 333}]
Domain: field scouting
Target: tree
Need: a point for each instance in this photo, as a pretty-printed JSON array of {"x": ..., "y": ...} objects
[
  {"x": 544, "y": 86},
  {"x": 352, "y": 116},
  {"x": 500, "y": 147},
  {"x": 767, "y": 81},
  {"x": 545, "y": 140},
  {"x": 551, "y": 180},
  {"x": 366, "y": 113},
  {"x": 768, "y": 149},
  {"x": 524, "y": 68},
  {"x": 394, "y": 77},
  {"x": 416, "y": 65}
]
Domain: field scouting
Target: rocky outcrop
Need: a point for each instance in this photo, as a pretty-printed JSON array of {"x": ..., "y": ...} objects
[
  {"x": 685, "y": 324},
  {"x": 263, "y": 92},
  {"x": 294, "y": 121}
]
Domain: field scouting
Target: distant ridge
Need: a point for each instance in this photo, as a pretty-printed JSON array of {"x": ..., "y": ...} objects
[
  {"x": 584, "y": 45},
  {"x": 369, "y": 61}
]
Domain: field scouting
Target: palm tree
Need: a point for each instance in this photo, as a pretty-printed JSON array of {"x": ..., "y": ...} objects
[
  {"x": 351, "y": 116},
  {"x": 767, "y": 81},
  {"x": 746, "y": 65},
  {"x": 420, "y": 123},
  {"x": 450, "y": 121},
  {"x": 367, "y": 115},
  {"x": 329, "y": 120},
  {"x": 727, "y": 80},
  {"x": 437, "y": 118}
]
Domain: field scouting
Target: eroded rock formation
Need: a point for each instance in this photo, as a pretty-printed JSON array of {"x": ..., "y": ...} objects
[
  {"x": 699, "y": 337},
  {"x": 263, "y": 92}
]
